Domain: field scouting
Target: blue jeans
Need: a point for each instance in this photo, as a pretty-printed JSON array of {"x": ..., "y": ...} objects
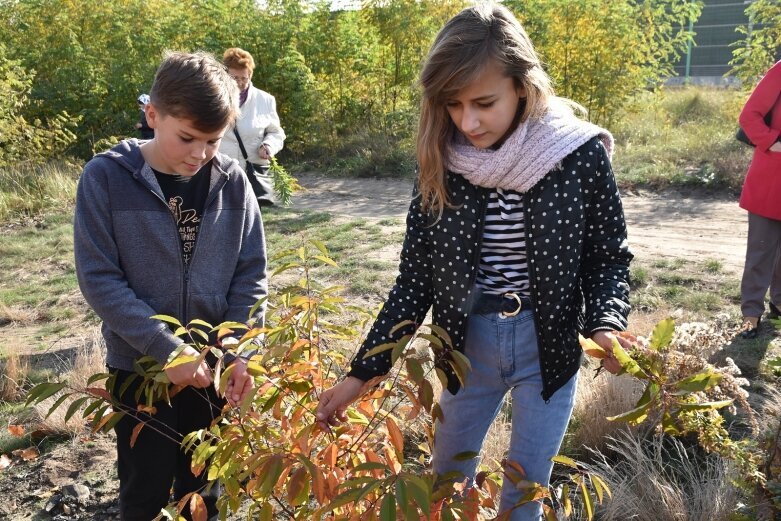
[{"x": 504, "y": 357}]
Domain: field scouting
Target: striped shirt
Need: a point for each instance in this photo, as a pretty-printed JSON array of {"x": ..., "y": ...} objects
[{"x": 503, "y": 265}]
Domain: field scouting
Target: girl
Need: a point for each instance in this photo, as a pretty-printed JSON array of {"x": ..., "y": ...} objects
[{"x": 516, "y": 236}]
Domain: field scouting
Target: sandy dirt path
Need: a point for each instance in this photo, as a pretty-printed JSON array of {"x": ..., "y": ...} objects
[{"x": 661, "y": 226}]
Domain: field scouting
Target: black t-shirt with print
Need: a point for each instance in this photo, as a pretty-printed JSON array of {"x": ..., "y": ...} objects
[{"x": 186, "y": 196}]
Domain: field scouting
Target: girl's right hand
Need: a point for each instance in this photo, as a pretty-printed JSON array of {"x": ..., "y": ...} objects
[{"x": 334, "y": 402}]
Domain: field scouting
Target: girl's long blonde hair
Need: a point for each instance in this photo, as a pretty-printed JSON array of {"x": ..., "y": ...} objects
[{"x": 475, "y": 37}]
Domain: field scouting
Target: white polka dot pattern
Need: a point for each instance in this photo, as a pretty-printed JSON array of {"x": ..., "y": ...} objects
[{"x": 578, "y": 260}]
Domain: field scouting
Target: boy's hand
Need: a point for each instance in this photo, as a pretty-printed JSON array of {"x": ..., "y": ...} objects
[
  {"x": 196, "y": 374},
  {"x": 240, "y": 383},
  {"x": 334, "y": 402}
]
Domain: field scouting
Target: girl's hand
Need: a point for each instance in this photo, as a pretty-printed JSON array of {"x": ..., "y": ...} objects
[
  {"x": 605, "y": 340},
  {"x": 263, "y": 152},
  {"x": 334, "y": 401}
]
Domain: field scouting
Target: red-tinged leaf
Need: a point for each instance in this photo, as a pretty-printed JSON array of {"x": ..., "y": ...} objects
[
  {"x": 99, "y": 393},
  {"x": 136, "y": 432},
  {"x": 514, "y": 470},
  {"x": 296, "y": 486},
  {"x": 5, "y": 461},
  {"x": 397, "y": 438},
  {"x": 16, "y": 430},
  {"x": 198, "y": 508}
]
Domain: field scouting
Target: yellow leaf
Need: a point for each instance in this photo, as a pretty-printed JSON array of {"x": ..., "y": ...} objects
[{"x": 16, "y": 430}]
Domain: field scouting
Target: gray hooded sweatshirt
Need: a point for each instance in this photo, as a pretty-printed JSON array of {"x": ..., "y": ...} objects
[{"x": 129, "y": 260}]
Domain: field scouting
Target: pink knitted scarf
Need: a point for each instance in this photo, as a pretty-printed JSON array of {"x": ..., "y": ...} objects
[{"x": 531, "y": 151}]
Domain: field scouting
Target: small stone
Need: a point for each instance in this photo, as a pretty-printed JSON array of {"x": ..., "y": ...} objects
[
  {"x": 78, "y": 491},
  {"x": 67, "y": 509},
  {"x": 55, "y": 500}
]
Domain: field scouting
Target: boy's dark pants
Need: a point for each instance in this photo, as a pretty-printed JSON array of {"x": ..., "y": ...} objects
[{"x": 147, "y": 470}]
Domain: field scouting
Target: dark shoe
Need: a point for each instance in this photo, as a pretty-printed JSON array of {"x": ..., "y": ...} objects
[
  {"x": 750, "y": 333},
  {"x": 774, "y": 311}
]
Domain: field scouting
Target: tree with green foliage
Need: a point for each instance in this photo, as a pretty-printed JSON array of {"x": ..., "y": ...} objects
[
  {"x": 757, "y": 51},
  {"x": 22, "y": 140},
  {"x": 601, "y": 53}
]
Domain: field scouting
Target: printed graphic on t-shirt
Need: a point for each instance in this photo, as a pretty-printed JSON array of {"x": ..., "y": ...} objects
[{"x": 188, "y": 222}]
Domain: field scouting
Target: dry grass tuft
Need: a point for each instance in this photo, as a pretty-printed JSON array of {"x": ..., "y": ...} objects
[
  {"x": 597, "y": 398},
  {"x": 89, "y": 360},
  {"x": 657, "y": 479},
  {"x": 14, "y": 371},
  {"x": 16, "y": 315}
]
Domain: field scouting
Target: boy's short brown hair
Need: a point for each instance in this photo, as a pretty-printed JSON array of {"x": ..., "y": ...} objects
[{"x": 197, "y": 87}]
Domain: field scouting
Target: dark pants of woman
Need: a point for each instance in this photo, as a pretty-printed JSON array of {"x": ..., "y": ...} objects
[
  {"x": 763, "y": 265},
  {"x": 148, "y": 470}
]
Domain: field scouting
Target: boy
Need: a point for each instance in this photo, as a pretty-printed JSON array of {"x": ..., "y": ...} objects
[{"x": 172, "y": 227}]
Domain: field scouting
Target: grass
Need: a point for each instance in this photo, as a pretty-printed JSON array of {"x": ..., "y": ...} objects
[
  {"x": 681, "y": 137},
  {"x": 31, "y": 190},
  {"x": 353, "y": 244}
]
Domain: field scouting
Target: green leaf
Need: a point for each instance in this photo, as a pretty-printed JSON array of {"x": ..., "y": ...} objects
[
  {"x": 74, "y": 406},
  {"x": 379, "y": 349},
  {"x": 179, "y": 360},
  {"x": 414, "y": 370},
  {"x": 704, "y": 406},
  {"x": 167, "y": 318},
  {"x": 400, "y": 325},
  {"x": 698, "y": 382},
  {"x": 388, "y": 508},
  {"x": 565, "y": 460},
  {"x": 662, "y": 334},
  {"x": 633, "y": 417},
  {"x": 420, "y": 490},
  {"x": 587, "y": 504},
  {"x": 57, "y": 404},
  {"x": 398, "y": 350},
  {"x": 325, "y": 260},
  {"x": 627, "y": 362},
  {"x": 320, "y": 246},
  {"x": 42, "y": 391},
  {"x": 466, "y": 455},
  {"x": 97, "y": 377}
]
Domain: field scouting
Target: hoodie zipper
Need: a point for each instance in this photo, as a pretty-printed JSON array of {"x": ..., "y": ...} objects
[{"x": 185, "y": 268}]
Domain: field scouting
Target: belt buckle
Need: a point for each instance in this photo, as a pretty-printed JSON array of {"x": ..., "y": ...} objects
[{"x": 506, "y": 314}]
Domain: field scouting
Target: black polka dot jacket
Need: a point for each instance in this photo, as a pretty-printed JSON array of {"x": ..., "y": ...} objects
[{"x": 578, "y": 259}]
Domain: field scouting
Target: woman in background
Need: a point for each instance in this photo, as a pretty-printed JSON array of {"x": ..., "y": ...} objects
[
  {"x": 761, "y": 197},
  {"x": 258, "y": 126}
]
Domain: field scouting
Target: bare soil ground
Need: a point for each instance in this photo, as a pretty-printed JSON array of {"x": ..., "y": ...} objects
[{"x": 661, "y": 226}]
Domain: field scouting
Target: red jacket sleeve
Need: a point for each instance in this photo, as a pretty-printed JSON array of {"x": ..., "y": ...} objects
[{"x": 763, "y": 100}]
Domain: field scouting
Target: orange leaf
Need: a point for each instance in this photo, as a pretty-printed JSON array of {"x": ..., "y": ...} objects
[
  {"x": 296, "y": 485},
  {"x": 99, "y": 393},
  {"x": 27, "y": 454},
  {"x": 395, "y": 435},
  {"x": 198, "y": 508},
  {"x": 16, "y": 430},
  {"x": 5, "y": 461},
  {"x": 136, "y": 431},
  {"x": 149, "y": 409}
]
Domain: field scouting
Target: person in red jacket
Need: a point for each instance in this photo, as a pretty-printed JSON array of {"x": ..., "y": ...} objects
[{"x": 761, "y": 197}]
